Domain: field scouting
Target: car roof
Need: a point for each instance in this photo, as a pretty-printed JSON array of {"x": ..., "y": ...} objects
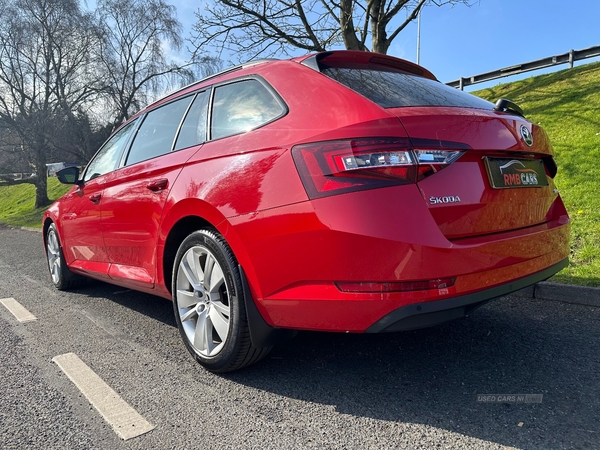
[{"x": 315, "y": 61}]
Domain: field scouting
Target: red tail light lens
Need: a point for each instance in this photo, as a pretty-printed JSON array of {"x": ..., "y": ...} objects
[
  {"x": 403, "y": 286},
  {"x": 336, "y": 167}
]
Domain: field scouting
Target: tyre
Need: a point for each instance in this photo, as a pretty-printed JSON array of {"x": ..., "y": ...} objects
[
  {"x": 208, "y": 299},
  {"x": 62, "y": 277}
]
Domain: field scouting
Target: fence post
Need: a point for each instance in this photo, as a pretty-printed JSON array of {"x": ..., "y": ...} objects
[{"x": 571, "y": 59}]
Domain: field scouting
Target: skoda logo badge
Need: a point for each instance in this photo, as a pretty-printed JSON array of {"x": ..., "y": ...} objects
[{"x": 526, "y": 135}]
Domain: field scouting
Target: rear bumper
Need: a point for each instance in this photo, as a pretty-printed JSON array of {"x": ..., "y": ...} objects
[
  {"x": 293, "y": 257},
  {"x": 420, "y": 315}
]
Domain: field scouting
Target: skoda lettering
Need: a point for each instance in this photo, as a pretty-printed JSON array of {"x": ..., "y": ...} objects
[{"x": 448, "y": 199}]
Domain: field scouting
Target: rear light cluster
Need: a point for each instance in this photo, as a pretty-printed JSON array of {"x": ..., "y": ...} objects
[{"x": 336, "y": 167}]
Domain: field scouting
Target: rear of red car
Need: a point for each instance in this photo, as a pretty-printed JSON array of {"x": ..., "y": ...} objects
[
  {"x": 412, "y": 219},
  {"x": 343, "y": 191}
]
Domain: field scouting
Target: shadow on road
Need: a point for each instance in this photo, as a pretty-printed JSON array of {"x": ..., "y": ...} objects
[
  {"x": 433, "y": 376},
  {"x": 156, "y": 308}
]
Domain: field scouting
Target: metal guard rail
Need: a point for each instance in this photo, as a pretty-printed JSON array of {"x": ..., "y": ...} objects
[{"x": 569, "y": 57}]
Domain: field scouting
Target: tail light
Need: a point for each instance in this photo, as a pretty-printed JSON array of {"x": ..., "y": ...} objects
[{"x": 336, "y": 167}]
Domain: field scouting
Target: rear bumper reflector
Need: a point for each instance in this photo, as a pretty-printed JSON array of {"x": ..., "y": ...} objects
[{"x": 420, "y": 315}]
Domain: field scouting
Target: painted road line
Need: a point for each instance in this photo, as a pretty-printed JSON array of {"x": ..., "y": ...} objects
[
  {"x": 17, "y": 310},
  {"x": 124, "y": 420}
]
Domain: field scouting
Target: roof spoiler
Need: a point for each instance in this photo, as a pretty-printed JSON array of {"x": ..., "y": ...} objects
[{"x": 339, "y": 57}]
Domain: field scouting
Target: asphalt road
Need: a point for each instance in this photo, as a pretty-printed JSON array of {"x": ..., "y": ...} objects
[{"x": 409, "y": 390}]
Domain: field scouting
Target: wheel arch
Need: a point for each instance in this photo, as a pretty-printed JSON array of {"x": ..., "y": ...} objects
[
  {"x": 47, "y": 222},
  {"x": 50, "y": 217},
  {"x": 261, "y": 332},
  {"x": 178, "y": 232},
  {"x": 186, "y": 217}
]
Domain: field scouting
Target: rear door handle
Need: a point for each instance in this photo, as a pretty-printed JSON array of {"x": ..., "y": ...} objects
[
  {"x": 95, "y": 198},
  {"x": 158, "y": 185}
]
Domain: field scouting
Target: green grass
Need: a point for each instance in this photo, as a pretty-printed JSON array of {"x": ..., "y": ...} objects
[
  {"x": 17, "y": 203},
  {"x": 567, "y": 105}
]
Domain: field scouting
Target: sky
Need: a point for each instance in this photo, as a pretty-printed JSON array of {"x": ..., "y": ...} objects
[{"x": 491, "y": 34}]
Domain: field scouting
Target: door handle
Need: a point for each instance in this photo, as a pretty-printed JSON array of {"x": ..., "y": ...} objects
[
  {"x": 158, "y": 185},
  {"x": 95, "y": 198}
]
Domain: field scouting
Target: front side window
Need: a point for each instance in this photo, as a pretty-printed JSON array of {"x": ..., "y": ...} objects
[
  {"x": 243, "y": 106},
  {"x": 157, "y": 133},
  {"x": 391, "y": 89},
  {"x": 107, "y": 159}
]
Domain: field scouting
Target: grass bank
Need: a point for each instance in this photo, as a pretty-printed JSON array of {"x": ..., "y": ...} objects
[
  {"x": 567, "y": 105},
  {"x": 17, "y": 203}
]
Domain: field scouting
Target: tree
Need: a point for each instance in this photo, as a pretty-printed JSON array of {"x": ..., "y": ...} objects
[
  {"x": 14, "y": 165},
  {"x": 267, "y": 27},
  {"x": 47, "y": 76},
  {"x": 134, "y": 51}
]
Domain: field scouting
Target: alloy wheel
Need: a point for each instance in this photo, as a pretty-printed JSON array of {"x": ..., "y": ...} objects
[
  {"x": 53, "y": 254},
  {"x": 203, "y": 301}
]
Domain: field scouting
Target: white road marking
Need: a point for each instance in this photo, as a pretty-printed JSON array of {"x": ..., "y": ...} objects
[
  {"x": 17, "y": 310},
  {"x": 124, "y": 420}
]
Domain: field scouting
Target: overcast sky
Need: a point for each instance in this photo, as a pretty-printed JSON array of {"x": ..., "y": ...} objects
[{"x": 491, "y": 34}]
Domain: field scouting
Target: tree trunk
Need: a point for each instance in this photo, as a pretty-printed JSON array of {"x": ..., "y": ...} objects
[
  {"x": 381, "y": 45},
  {"x": 347, "y": 27},
  {"x": 379, "y": 41},
  {"x": 41, "y": 181}
]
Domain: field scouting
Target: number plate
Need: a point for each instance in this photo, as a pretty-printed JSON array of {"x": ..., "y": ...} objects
[{"x": 515, "y": 173}]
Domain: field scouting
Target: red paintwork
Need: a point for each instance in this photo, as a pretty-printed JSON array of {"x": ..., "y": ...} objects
[
  {"x": 81, "y": 222},
  {"x": 293, "y": 249},
  {"x": 131, "y": 215}
]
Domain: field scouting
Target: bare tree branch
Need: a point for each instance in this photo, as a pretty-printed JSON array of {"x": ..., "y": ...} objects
[
  {"x": 266, "y": 27},
  {"x": 46, "y": 50},
  {"x": 133, "y": 55}
]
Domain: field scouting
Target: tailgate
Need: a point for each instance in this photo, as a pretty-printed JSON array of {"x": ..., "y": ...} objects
[{"x": 502, "y": 182}]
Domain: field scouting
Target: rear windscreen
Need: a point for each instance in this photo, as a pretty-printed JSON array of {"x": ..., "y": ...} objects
[{"x": 391, "y": 89}]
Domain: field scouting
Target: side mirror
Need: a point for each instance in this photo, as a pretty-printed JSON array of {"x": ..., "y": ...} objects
[{"x": 69, "y": 175}]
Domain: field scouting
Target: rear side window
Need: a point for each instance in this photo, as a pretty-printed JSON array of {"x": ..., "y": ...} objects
[
  {"x": 193, "y": 130},
  {"x": 157, "y": 133},
  {"x": 243, "y": 106},
  {"x": 391, "y": 89}
]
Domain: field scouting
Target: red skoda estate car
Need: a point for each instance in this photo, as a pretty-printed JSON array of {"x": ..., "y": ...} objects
[{"x": 341, "y": 191}]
